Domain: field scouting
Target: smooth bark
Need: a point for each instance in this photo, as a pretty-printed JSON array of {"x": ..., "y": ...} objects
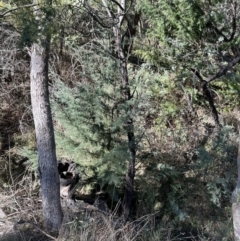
[
  {"x": 47, "y": 162},
  {"x": 45, "y": 138}
]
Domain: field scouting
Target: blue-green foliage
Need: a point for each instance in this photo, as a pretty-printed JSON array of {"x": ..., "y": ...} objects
[
  {"x": 88, "y": 126},
  {"x": 90, "y": 118},
  {"x": 217, "y": 163}
]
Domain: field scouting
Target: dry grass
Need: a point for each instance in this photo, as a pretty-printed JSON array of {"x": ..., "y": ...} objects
[
  {"x": 20, "y": 203},
  {"x": 99, "y": 226}
]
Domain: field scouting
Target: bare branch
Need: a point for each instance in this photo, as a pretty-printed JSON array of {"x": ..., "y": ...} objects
[
  {"x": 16, "y": 8},
  {"x": 121, "y": 12},
  {"x": 207, "y": 94},
  {"x": 118, "y": 4},
  {"x": 95, "y": 15},
  {"x": 224, "y": 70},
  {"x": 107, "y": 9},
  {"x": 198, "y": 75},
  {"x": 219, "y": 74}
]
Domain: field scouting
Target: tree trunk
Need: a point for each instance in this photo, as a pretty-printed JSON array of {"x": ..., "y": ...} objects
[
  {"x": 45, "y": 138},
  {"x": 209, "y": 97},
  {"x": 122, "y": 51},
  {"x": 47, "y": 162},
  {"x": 129, "y": 185},
  {"x": 236, "y": 202}
]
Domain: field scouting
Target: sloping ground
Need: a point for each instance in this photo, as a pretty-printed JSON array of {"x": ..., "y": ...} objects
[
  {"x": 6, "y": 225},
  {"x": 13, "y": 208},
  {"x": 81, "y": 222}
]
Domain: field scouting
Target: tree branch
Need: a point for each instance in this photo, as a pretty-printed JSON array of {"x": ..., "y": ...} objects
[
  {"x": 224, "y": 70},
  {"x": 207, "y": 93},
  {"x": 16, "y": 8},
  {"x": 94, "y": 14},
  {"x": 107, "y": 9},
  {"x": 198, "y": 75},
  {"x": 219, "y": 74}
]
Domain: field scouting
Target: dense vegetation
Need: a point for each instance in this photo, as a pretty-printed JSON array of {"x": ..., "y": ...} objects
[{"x": 145, "y": 94}]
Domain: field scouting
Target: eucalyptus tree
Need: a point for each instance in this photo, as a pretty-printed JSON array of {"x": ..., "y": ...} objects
[
  {"x": 33, "y": 21},
  {"x": 39, "y": 53}
]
